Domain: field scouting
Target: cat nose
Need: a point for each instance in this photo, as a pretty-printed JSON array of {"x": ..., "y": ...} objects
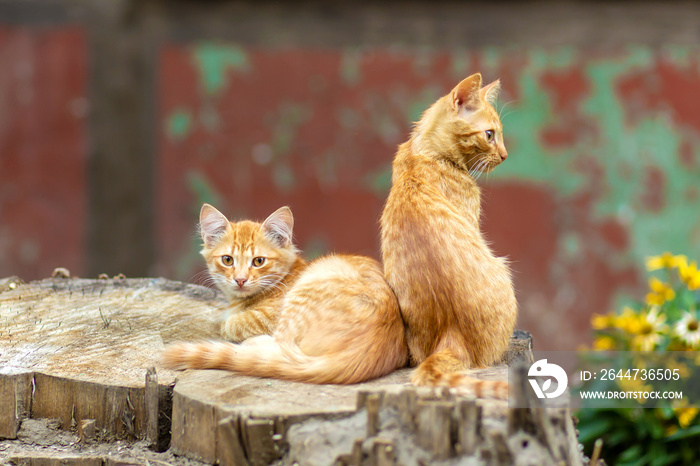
[
  {"x": 504, "y": 155},
  {"x": 240, "y": 281}
]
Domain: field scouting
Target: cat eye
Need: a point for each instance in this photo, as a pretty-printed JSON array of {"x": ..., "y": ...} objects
[
  {"x": 227, "y": 261},
  {"x": 258, "y": 261},
  {"x": 490, "y": 134}
]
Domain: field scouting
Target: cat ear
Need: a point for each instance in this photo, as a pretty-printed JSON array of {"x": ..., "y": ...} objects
[
  {"x": 466, "y": 94},
  {"x": 212, "y": 224},
  {"x": 490, "y": 93},
  {"x": 278, "y": 227}
]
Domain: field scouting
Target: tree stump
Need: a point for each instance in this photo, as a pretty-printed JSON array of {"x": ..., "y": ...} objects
[
  {"x": 75, "y": 350},
  {"x": 86, "y": 352}
]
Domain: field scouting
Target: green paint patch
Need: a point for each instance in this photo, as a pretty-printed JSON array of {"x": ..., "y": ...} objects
[
  {"x": 315, "y": 248},
  {"x": 624, "y": 149},
  {"x": 652, "y": 140},
  {"x": 529, "y": 158},
  {"x": 178, "y": 124},
  {"x": 416, "y": 107},
  {"x": 379, "y": 182},
  {"x": 570, "y": 245},
  {"x": 290, "y": 117},
  {"x": 460, "y": 65},
  {"x": 350, "y": 67},
  {"x": 283, "y": 177},
  {"x": 679, "y": 55},
  {"x": 202, "y": 189},
  {"x": 214, "y": 62}
]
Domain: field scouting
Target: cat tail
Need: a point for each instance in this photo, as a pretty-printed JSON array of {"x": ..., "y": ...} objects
[
  {"x": 443, "y": 369},
  {"x": 263, "y": 356}
]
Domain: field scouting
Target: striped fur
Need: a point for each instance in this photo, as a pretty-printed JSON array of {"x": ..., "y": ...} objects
[
  {"x": 255, "y": 293},
  {"x": 339, "y": 323},
  {"x": 456, "y": 297},
  {"x": 444, "y": 369}
]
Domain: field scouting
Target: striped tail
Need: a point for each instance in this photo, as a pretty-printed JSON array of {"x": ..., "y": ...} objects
[
  {"x": 263, "y": 356},
  {"x": 466, "y": 385},
  {"x": 443, "y": 369}
]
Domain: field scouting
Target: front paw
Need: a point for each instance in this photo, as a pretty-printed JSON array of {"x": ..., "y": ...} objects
[{"x": 236, "y": 331}]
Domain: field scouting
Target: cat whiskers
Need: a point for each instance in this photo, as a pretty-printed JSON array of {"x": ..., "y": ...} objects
[
  {"x": 476, "y": 172},
  {"x": 205, "y": 278},
  {"x": 220, "y": 282},
  {"x": 478, "y": 168},
  {"x": 500, "y": 112},
  {"x": 200, "y": 276},
  {"x": 273, "y": 283}
]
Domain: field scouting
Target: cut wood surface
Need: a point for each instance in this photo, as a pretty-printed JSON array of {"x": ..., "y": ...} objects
[
  {"x": 76, "y": 349},
  {"x": 100, "y": 330},
  {"x": 86, "y": 352},
  {"x": 251, "y": 416}
]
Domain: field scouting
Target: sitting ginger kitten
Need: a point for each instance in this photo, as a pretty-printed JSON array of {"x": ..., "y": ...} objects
[{"x": 456, "y": 296}]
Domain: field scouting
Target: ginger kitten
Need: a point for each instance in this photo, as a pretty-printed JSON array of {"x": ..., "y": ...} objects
[
  {"x": 252, "y": 264},
  {"x": 338, "y": 320},
  {"x": 456, "y": 297}
]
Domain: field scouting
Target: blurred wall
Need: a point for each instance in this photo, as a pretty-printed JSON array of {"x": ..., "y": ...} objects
[{"x": 119, "y": 118}]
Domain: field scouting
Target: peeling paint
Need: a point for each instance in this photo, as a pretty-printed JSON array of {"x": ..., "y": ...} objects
[
  {"x": 379, "y": 181},
  {"x": 350, "y": 67},
  {"x": 426, "y": 97},
  {"x": 202, "y": 189},
  {"x": 625, "y": 149},
  {"x": 283, "y": 177},
  {"x": 289, "y": 117},
  {"x": 178, "y": 124},
  {"x": 213, "y": 62},
  {"x": 603, "y": 167},
  {"x": 316, "y": 247}
]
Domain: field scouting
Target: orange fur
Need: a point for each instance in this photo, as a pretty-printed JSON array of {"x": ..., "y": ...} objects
[
  {"x": 456, "y": 298},
  {"x": 339, "y": 322},
  {"x": 255, "y": 293}
]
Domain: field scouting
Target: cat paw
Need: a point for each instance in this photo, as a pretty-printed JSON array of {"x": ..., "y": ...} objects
[{"x": 234, "y": 331}]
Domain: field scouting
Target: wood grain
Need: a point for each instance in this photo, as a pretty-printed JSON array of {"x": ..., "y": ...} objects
[{"x": 75, "y": 349}]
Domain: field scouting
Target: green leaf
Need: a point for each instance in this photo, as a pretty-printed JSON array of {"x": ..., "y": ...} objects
[
  {"x": 632, "y": 455},
  {"x": 684, "y": 433},
  {"x": 619, "y": 436},
  {"x": 592, "y": 430}
]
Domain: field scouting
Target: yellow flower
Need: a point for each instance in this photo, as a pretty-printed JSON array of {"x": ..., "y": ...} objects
[
  {"x": 627, "y": 321},
  {"x": 634, "y": 385},
  {"x": 665, "y": 261},
  {"x": 648, "y": 333},
  {"x": 660, "y": 292},
  {"x": 686, "y": 415},
  {"x": 685, "y": 412},
  {"x": 600, "y": 322},
  {"x": 604, "y": 343},
  {"x": 683, "y": 370},
  {"x": 689, "y": 274}
]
